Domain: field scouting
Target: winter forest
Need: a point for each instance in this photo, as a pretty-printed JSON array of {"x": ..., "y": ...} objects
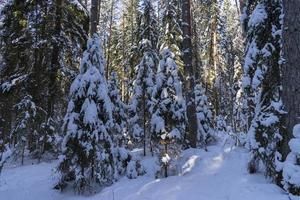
[{"x": 150, "y": 99}]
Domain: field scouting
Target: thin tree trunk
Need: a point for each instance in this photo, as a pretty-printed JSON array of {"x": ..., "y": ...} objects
[
  {"x": 189, "y": 73},
  {"x": 144, "y": 121},
  {"x": 166, "y": 165},
  {"x": 109, "y": 38},
  {"x": 291, "y": 68},
  {"x": 99, "y": 11},
  {"x": 237, "y": 7}
]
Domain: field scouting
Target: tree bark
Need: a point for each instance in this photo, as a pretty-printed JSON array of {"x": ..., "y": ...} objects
[
  {"x": 291, "y": 68},
  {"x": 111, "y": 21},
  {"x": 55, "y": 65},
  {"x": 241, "y": 6},
  {"x": 94, "y": 16},
  {"x": 189, "y": 73}
]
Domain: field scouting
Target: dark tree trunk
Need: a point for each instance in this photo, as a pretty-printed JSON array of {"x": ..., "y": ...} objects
[
  {"x": 54, "y": 60},
  {"x": 189, "y": 73},
  {"x": 94, "y": 16},
  {"x": 241, "y": 6},
  {"x": 291, "y": 68},
  {"x": 198, "y": 67}
]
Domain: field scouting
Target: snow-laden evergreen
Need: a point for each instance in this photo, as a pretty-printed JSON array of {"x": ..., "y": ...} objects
[
  {"x": 141, "y": 102},
  {"x": 24, "y": 128},
  {"x": 119, "y": 112},
  {"x": 171, "y": 30},
  {"x": 205, "y": 129},
  {"x": 87, "y": 147},
  {"x": 262, "y": 21},
  {"x": 124, "y": 161},
  {"x": 291, "y": 166},
  {"x": 148, "y": 23},
  {"x": 169, "y": 111}
]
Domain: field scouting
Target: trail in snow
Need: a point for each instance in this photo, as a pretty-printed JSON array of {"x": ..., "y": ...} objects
[{"x": 214, "y": 175}]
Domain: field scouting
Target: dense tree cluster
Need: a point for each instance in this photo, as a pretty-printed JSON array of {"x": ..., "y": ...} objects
[{"x": 41, "y": 43}]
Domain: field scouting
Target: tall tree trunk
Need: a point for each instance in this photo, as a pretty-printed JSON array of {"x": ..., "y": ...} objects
[
  {"x": 291, "y": 68},
  {"x": 53, "y": 72},
  {"x": 189, "y": 73},
  {"x": 94, "y": 16},
  {"x": 55, "y": 59},
  {"x": 111, "y": 21},
  {"x": 198, "y": 66}
]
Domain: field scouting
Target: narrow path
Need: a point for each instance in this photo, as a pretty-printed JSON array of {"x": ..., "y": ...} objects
[{"x": 217, "y": 175}]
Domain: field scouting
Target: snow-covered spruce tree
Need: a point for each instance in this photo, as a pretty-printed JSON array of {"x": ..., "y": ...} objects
[
  {"x": 205, "y": 129},
  {"x": 23, "y": 130},
  {"x": 141, "y": 102},
  {"x": 171, "y": 31},
  {"x": 169, "y": 111},
  {"x": 87, "y": 157},
  {"x": 291, "y": 166},
  {"x": 122, "y": 157},
  {"x": 148, "y": 23},
  {"x": 262, "y": 21},
  {"x": 119, "y": 112},
  {"x": 130, "y": 53}
]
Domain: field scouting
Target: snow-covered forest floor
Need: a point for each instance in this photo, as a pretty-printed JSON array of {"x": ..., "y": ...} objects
[{"x": 219, "y": 174}]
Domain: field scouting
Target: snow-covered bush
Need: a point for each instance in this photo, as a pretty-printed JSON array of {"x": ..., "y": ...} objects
[
  {"x": 126, "y": 164},
  {"x": 23, "y": 129},
  {"x": 291, "y": 167},
  {"x": 134, "y": 169},
  {"x": 205, "y": 130},
  {"x": 221, "y": 124}
]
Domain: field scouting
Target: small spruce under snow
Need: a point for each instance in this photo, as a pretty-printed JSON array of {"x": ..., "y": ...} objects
[
  {"x": 119, "y": 112},
  {"x": 204, "y": 117},
  {"x": 87, "y": 146},
  {"x": 169, "y": 113},
  {"x": 141, "y": 102}
]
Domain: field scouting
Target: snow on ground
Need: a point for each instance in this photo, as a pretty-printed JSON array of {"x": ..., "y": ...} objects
[{"x": 219, "y": 174}]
